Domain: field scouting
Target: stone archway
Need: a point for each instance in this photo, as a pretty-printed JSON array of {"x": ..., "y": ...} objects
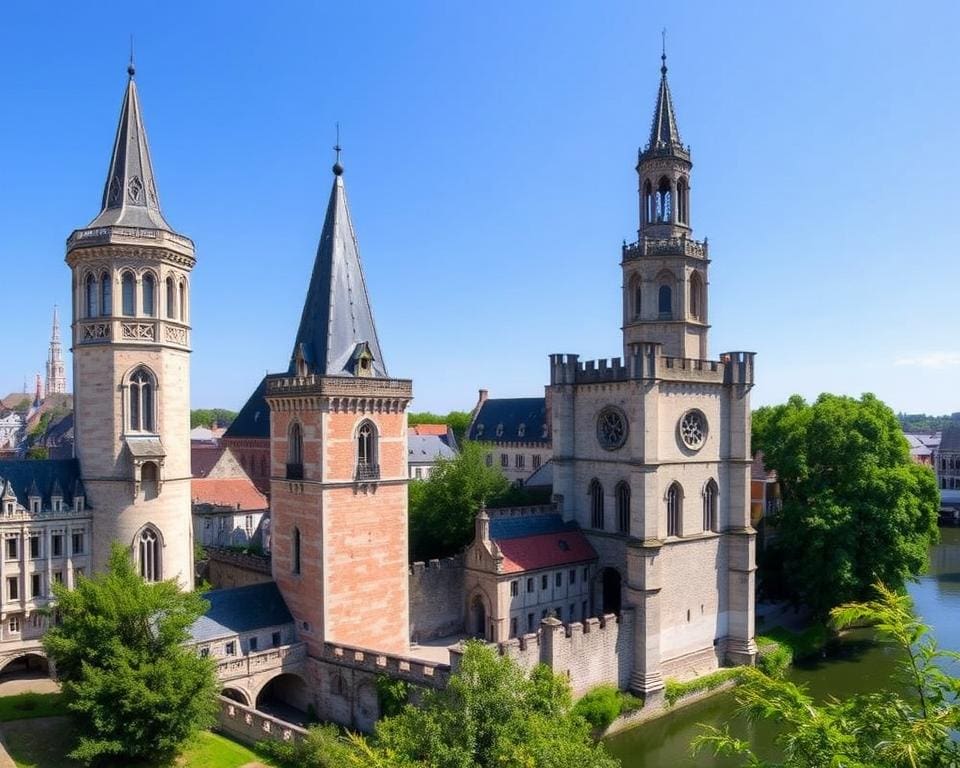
[
  {"x": 478, "y": 617},
  {"x": 236, "y": 694},
  {"x": 286, "y": 696},
  {"x": 33, "y": 664}
]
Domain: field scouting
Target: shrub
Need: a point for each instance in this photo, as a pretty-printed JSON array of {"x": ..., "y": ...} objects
[
  {"x": 322, "y": 747},
  {"x": 600, "y": 706},
  {"x": 674, "y": 690},
  {"x": 392, "y": 695}
]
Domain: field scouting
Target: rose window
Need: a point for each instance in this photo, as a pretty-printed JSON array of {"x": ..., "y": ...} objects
[
  {"x": 611, "y": 428},
  {"x": 693, "y": 429}
]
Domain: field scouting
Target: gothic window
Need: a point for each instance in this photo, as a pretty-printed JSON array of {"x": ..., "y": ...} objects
[
  {"x": 106, "y": 295},
  {"x": 596, "y": 504},
  {"x": 696, "y": 296},
  {"x": 637, "y": 298},
  {"x": 148, "y": 554},
  {"x": 683, "y": 200},
  {"x": 295, "y": 452},
  {"x": 171, "y": 300},
  {"x": 649, "y": 210},
  {"x": 141, "y": 391},
  {"x": 665, "y": 301},
  {"x": 149, "y": 295},
  {"x": 710, "y": 507},
  {"x": 664, "y": 200},
  {"x": 183, "y": 302},
  {"x": 127, "y": 290},
  {"x": 149, "y": 480},
  {"x": 90, "y": 296},
  {"x": 367, "y": 467},
  {"x": 623, "y": 507},
  {"x": 674, "y": 509},
  {"x": 296, "y": 550}
]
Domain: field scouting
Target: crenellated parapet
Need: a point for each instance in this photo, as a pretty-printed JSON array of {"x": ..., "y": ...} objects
[
  {"x": 648, "y": 363},
  {"x": 667, "y": 246},
  {"x": 396, "y": 667}
]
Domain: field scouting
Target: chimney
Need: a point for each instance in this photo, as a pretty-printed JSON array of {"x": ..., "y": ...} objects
[{"x": 482, "y": 399}]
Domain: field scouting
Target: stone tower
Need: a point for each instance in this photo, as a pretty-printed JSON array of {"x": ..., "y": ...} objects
[
  {"x": 665, "y": 273},
  {"x": 56, "y": 382},
  {"x": 652, "y": 450},
  {"x": 131, "y": 364},
  {"x": 339, "y": 460}
]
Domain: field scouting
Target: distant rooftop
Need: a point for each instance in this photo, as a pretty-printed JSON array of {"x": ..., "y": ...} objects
[{"x": 241, "y": 609}]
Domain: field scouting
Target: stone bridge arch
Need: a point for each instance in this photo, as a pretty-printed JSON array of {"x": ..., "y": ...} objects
[
  {"x": 31, "y": 662},
  {"x": 238, "y": 694},
  {"x": 286, "y": 695}
]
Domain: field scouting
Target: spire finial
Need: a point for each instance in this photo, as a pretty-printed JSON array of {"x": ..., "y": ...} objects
[
  {"x": 337, "y": 167},
  {"x": 663, "y": 51},
  {"x": 131, "y": 70}
]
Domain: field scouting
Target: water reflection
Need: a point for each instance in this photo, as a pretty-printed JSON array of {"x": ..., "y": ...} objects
[{"x": 856, "y": 665}]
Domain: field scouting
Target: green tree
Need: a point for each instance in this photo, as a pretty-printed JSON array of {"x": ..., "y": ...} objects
[
  {"x": 210, "y": 417},
  {"x": 908, "y": 727},
  {"x": 458, "y": 421},
  {"x": 856, "y": 509},
  {"x": 136, "y": 689}
]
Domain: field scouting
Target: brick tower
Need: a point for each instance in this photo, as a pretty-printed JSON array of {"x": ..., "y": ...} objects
[
  {"x": 339, "y": 460},
  {"x": 131, "y": 364}
]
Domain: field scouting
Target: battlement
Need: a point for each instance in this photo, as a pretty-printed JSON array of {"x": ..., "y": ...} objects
[
  {"x": 396, "y": 667},
  {"x": 666, "y": 246},
  {"x": 446, "y": 564},
  {"x": 527, "y": 511},
  {"x": 648, "y": 363}
]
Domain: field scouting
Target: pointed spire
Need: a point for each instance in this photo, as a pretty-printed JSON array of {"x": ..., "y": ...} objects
[
  {"x": 130, "y": 192},
  {"x": 55, "y": 336},
  {"x": 664, "y": 133},
  {"x": 337, "y": 334}
]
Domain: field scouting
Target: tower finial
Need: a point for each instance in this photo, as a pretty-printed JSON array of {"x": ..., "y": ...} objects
[
  {"x": 337, "y": 166},
  {"x": 131, "y": 70},
  {"x": 663, "y": 51}
]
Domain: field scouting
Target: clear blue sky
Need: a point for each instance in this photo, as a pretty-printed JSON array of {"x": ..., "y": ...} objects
[{"x": 489, "y": 153}]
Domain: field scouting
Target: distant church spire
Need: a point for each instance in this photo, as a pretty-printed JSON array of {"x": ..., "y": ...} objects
[
  {"x": 56, "y": 381},
  {"x": 337, "y": 334},
  {"x": 130, "y": 193}
]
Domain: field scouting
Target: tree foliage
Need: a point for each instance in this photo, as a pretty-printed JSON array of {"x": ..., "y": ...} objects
[
  {"x": 856, "y": 509},
  {"x": 458, "y": 421},
  {"x": 211, "y": 417},
  {"x": 907, "y": 729},
  {"x": 136, "y": 690},
  {"x": 922, "y": 422}
]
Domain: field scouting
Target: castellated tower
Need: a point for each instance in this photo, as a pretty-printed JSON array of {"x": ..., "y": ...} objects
[
  {"x": 339, "y": 460},
  {"x": 651, "y": 451},
  {"x": 131, "y": 364}
]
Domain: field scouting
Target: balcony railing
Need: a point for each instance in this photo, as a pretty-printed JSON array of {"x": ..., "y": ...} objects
[
  {"x": 294, "y": 471},
  {"x": 368, "y": 471}
]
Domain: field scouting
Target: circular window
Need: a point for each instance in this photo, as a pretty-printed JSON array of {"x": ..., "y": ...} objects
[
  {"x": 611, "y": 428},
  {"x": 693, "y": 429}
]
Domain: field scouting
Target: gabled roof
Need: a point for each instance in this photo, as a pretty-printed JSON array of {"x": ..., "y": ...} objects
[
  {"x": 547, "y": 550},
  {"x": 130, "y": 193},
  {"x": 237, "y": 493},
  {"x": 44, "y": 475},
  {"x": 512, "y": 420},
  {"x": 426, "y": 449},
  {"x": 336, "y": 327},
  {"x": 241, "y": 609},
  {"x": 254, "y": 418}
]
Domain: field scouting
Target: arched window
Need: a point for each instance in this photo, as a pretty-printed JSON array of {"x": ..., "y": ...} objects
[
  {"x": 149, "y": 480},
  {"x": 596, "y": 504},
  {"x": 183, "y": 302},
  {"x": 696, "y": 296},
  {"x": 710, "y": 507},
  {"x": 623, "y": 507},
  {"x": 664, "y": 200},
  {"x": 141, "y": 401},
  {"x": 637, "y": 298},
  {"x": 106, "y": 295},
  {"x": 648, "y": 204},
  {"x": 149, "y": 295},
  {"x": 367, "y": 466},
  {"x": 148, "y": 555},
  {"x": 127, "y": 289},
  {"x": 171, "y": 300},
  {"x": 682, "y": 201},
  {"x": 295, "y": 452},
  {"x": 674, "y": 510},
  {"x": 295, "y": 554},
  {"x": 90, "y": 296},
  {"x": 665, "y": 301}
]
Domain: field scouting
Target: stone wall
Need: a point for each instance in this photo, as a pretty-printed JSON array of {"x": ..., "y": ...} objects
[
  {"x": 227, "y": 569},
  {"x": 249, "y": 725},
  {"x": 436, "y": 599}
]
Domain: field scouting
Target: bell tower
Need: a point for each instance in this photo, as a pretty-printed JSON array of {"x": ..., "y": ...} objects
[
  {"x": 131, "y": 363},
  {"x": 665, "y": 271}
]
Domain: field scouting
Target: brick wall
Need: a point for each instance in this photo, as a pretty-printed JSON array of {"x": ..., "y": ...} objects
[
  {"x": 436, "y": 598},
  {"x": 226, "y": 569}
]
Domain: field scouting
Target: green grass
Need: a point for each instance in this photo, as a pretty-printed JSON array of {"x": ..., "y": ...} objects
[
  {"x": 26, "y": 705},
  {"x": 803, "y": 644},
  {"x": 674, "y": 690}
]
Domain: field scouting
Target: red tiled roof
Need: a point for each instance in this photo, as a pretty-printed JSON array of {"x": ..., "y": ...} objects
[
  {"x": 235, "y": 492},
  {"x": 547, "y": 550},
  {"x": 429, "y": 429}
]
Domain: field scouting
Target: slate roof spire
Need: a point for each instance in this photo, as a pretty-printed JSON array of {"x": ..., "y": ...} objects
[
  {"x": 130, "y": 193},
  {"x": 664, "y": 133},
  {"x": 337, "y": 334}
]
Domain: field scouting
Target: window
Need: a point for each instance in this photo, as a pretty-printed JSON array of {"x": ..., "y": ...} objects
[
  {"x": 572, "y": 576},
  {"x": 148, "y": 287},
  {"x": 12, "y": 548},
  {"x": 230, "y": 649},
  {"x": 584, "y": 610},
  {"x": 34, "y": 545},
  {"x": 586, "y": 575},
  {"x": 128, "y": 296},
  {"x": 521, "y": 460},
  {"x": 149, "y": 555},
  {"x": 665, "y": 301},
  {"x": 558, "y": 579},
  {"x": 499, "y": 430},
  {"x": 14, "y": 625},
  {"x": 530, "y": 585},
  {"x": 90, "y": 296},
  {"x": 683, "y": 202},
  {"x": 418, "y": 472},
  {"x": 513, "y": 626},
  {"x": 648, "y": 202},
  {"x": 295, "y": 452},
  {"x": 596, "y": 504},
  {"x": 252, "y": 643},
  {"x": 623, "y": 507},
  {"x": 367, "y": 468},
  {"x": 710, "y": 507},
  {"x": 13, "y": 588},
  {"x": 36, "y": 585},
  {"x": 559, "y": 611},
  {"x": 573, "y": 612},
  {"x": 296, "y": 550},
  {"x": 248, "y": 525},
  {"x": 535, "y": 459},
  {"x": 696, "y": 296},
  {"x": 204, "y": 653},
  {"x": 504, "y": 460},
  {"x": 34, "y": 506},
  {"x": 58, "y": 577},
  {"x": 674, "y": 509},
  {"x": 664, "y": 200},
  {"x": 141, "y": 401},
  {"x": 529, "y": 622},
  {"x": 171, "y": 300},
  {"x": 183, "y": 301},
  {"x": 489, "y": 459},
  {"x": 637, "y": 296},
  {"x": 514, "y": 588},
  {"x": 275, "y": 639},
  {"x": 544, "y": 581},
  {"x": 77, "y": 573},
  {"x": 106, "y": 295}
]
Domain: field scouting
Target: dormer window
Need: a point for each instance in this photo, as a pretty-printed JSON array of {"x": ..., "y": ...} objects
[
  {"x": 78, "y": 503},
  {"x": 34, "y": 506},
  {"x": 479, "y": 430},
  {"x": 545, "y": 428},
  {"x": 521, "y": 430},
  {"x": 499, "y": 430}
]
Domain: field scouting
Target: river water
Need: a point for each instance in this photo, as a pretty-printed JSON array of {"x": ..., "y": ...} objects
[{"x": 857, "y": 666}]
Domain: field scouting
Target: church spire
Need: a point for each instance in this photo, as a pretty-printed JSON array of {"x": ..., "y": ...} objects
[
  {"x": 337, "y": 334},
  {"x": 56, "y": 381},
  {"x": 130, "y": 192},
  {"x": 664, "y": 133}
]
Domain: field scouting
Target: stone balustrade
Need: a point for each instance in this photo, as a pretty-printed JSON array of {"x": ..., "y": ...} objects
[
  {"x": 249, "y": 725},
  {"x": 284, "y": 657},
  {"x": 397, "y": 667}
]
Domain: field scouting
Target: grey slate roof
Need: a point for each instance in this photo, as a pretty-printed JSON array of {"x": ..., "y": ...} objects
[
  {"x": 664, "y": 133},
  {"x": 337, "y": 318},
  {"x": 541, "y": 478},
  {"x": 528, "y": 525},
  {"x": 426, "y": 449},
  {"x": 254, "y": 418},
  {"x": 44, "y": 475},
  {"x": 241, "y": 609},
  {"x": 130, "y": 196},
  {"x": 522, "y": 420},
  {"x": 950, "y": 439}
]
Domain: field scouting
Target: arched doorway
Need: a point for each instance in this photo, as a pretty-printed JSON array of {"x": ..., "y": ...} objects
[
  {"x": 236, "y": 695},
  {"x": 285, "y": 696},
  {"x": 478, "y": 617},
  {"x": 610, "y": 584}
]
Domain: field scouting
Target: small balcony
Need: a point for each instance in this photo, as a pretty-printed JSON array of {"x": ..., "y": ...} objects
[
  {"x": 368, "y": 472},
  {"x": 294, "y": 471}
]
